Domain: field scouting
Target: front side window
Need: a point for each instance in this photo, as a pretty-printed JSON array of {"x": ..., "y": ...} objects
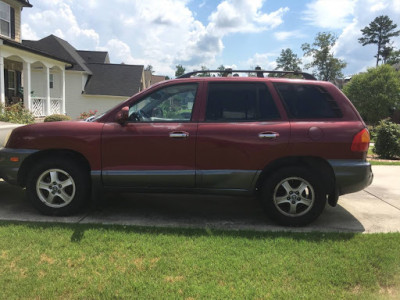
[
  {"x": 169, "y": 104},
  {"x": 308, "y": 101},
  {"x": 4, "y": 19},
  {"x": 238, "y": 102}
]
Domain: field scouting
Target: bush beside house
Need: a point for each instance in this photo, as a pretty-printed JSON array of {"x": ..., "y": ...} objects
[
  {"x": 16, "y": 114},
  {"x": 56, "y": 118}
]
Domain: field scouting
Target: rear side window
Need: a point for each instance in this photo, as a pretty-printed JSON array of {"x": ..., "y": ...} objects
[
  {"x": 229, "y": 102},
  {"x": 308, "y": 101}
]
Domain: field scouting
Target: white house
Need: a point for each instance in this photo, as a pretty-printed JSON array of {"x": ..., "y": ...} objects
[
  {"x": 50, "y": 76},
  {"x": 91, "y": 81},
  {"x": 18, "y": 65}
]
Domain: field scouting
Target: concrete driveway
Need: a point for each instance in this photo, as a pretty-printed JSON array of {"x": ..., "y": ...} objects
[{"x": 376, "y": 209}]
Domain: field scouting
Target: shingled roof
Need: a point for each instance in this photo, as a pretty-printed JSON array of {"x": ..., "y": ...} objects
[
  {"x": 104, "y": 78},
  {"x": 55, "y": 46},
  {"x": 114, "y": 80},
  {"x": 94, "y": 56}
]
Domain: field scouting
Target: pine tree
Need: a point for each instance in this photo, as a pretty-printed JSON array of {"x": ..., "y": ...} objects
[
  {"x": 379, "y": 32},
  {"x": 288, "y": 61}
]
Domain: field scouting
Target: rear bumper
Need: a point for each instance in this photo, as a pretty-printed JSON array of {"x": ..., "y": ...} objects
[
  {"x": 9, "y": 169},
  {"x": 351, "y": 175}
]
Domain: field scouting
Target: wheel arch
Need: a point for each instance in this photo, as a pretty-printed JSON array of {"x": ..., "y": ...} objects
[
  {"x": 316, "y": 164},
  {"x": 48, "y": 154}
]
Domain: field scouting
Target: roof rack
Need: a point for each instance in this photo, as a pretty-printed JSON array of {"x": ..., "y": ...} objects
[{"x": 259, "y": 72}]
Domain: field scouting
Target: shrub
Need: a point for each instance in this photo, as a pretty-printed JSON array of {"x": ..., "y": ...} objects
[
  {"x": 86, "y": 115},
  {"x": 56, "y": 118},
  {"x": 16, "y": 114},
  {"x": 375, "y": 94},
  {"x": 387, "y": 143}
]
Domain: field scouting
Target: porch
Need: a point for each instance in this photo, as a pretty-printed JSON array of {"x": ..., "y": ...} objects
[{"x": 38, "y": 82}]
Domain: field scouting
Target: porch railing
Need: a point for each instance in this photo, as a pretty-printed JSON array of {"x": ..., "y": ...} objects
[
  {"x": 55, "y": 105},
  {"x": 39, "y": 106}
]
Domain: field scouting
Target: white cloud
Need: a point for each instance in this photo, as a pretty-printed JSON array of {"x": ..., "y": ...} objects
[
  {"x": 329, "y": 14},
  {"x": 161, "y": 33},
  {"x": 284, "y": 35},
  {"x": 28, "y": 33},
  {"x": 263, "y": 60},
  {"x": 243, "y": 16},
  {"x": 60, "y": 20}
]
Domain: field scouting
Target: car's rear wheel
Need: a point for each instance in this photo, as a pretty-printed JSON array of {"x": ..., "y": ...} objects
[
  {"x": 293, "y": 196},
  {"x": 58, "y": 187}
]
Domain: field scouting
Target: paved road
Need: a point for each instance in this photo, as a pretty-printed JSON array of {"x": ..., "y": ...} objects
[{"x": 376, "y": 209}]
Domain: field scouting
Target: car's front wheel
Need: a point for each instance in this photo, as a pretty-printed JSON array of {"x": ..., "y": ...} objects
[
  {"x": 293, "y": 196},
  {"x": 58, "y": 187}
]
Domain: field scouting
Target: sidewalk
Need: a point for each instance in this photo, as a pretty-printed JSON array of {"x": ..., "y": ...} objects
[{"x": 375, "y": 209}]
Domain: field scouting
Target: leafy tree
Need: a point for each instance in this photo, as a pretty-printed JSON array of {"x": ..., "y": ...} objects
[
  {"x": 393, "y": 57},
  {"x": 288, "y": 61},
  {"x": 179, "y": 71},
  {"x": 326, "y": 66},
  {"x": 149, "y": 68},
  {"x": 376, "y": 93},
  {"x": 221, "y": 68},
  {"x": 379, "y": 32},
  {"x": 205, "y": 74}
]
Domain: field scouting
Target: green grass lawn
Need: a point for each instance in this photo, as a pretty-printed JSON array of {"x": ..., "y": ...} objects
[{"x": 53, "y": 261}]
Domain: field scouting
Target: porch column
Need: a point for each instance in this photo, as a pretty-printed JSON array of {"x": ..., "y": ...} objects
[
  {"x": 27, "y": 86},
  {"x": 63, "y": 91},
  {"x": 47, "y": 91},
  {"x": 2, "y": 87}
]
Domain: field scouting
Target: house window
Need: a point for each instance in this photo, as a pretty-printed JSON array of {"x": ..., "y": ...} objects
[
  {"x": 51, "y": 80},
  {"x": 4, "y": 19},
  {"x": 11, "y": 82}
]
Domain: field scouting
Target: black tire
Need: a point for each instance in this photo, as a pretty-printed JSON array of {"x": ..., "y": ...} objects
[
  {"x": 293, "y": 196},
  {"x": 58, "y": 186}
]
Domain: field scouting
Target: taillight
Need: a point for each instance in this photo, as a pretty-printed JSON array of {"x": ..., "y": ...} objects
[{"x": 361, "y": 141}]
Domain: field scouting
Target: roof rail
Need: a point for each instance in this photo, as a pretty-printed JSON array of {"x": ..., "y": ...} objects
[{"x": 260, "y": 73}]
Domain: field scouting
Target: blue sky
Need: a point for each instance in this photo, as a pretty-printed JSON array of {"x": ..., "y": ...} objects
[{"x": 235, "y": 33}]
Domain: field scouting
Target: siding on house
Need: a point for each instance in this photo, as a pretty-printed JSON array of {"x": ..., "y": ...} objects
[
  {"x": 78, "y": 102},
  {"x": 17, "y": 8}
]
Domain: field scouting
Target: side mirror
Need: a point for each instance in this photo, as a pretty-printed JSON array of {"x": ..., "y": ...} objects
[{"x": 123, "y": 115}]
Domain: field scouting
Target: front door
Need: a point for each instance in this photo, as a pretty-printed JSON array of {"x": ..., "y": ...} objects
[{"x": 156, "y": 148}]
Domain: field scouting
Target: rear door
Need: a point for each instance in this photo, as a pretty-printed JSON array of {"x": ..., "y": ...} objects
[{"x": 242, "y": 132}]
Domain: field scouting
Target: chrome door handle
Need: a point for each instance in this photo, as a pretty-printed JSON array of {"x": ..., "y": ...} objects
[
  {"x": 268, "y": 135},
  {"x": 178, "y": 135}
]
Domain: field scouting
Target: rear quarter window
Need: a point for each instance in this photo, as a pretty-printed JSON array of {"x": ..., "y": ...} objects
[{"x": 303, "y": 101}]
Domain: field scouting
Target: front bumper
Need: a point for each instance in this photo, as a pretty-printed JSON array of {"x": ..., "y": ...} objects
[
  {"x": 351, "y": 175},
  {"x": 11, "y": 161}
]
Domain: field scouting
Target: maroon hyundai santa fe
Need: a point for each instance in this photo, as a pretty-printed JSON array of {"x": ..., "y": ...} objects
[{"x": 296, "y": 143}]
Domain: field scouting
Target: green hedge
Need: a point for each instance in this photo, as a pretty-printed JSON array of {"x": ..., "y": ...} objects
[
  {"x": 56, "y": 118},
  {"x": 387, "y": 144}
]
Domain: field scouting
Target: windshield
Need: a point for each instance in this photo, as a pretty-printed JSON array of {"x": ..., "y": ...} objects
[{"x": 96, "y": 117}]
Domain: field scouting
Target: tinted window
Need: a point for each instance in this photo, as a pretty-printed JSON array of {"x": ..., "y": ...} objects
[
  {"x": 240, "y": 102},
  {"x": 169, "y": 104},
  {"x": 308, "y": 101}
]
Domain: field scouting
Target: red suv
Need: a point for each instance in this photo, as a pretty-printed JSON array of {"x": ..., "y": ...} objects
[{"x": 298, "y": 143}]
